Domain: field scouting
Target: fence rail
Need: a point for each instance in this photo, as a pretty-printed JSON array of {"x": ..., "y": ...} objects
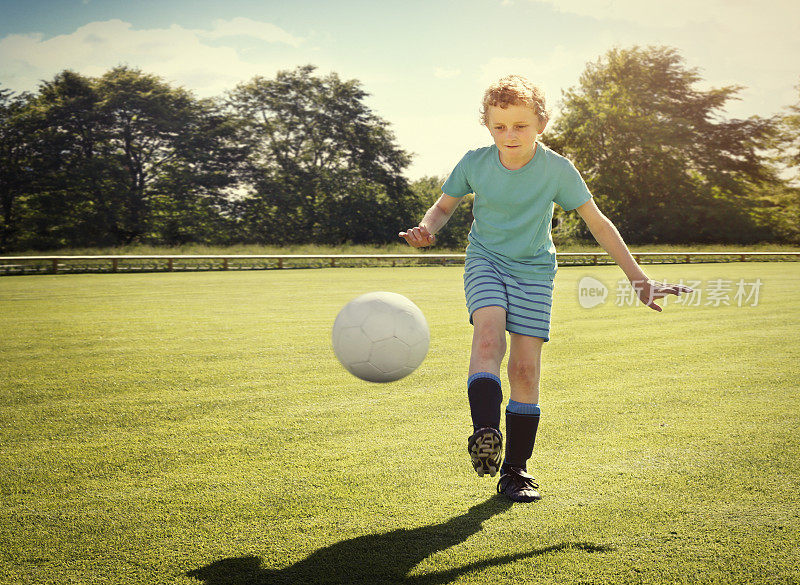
[{"x": 170, "y": 262}]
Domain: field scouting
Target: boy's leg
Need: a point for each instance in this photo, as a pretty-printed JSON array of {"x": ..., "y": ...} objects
[
  {"x": 488, "y": 340},
  {"x": 485, "y": 396},
  {"x": 522, "y": 417},
  {"x": 524, "y": 367}
]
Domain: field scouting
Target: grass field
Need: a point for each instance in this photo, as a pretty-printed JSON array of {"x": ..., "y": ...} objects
[{"x": 196, "y": 429}]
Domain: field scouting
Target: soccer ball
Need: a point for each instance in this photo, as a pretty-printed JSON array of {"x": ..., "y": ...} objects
[{"x": 380, "y": 337}]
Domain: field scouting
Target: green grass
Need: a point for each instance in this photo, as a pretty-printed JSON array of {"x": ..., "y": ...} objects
[{"x": 196, "y": 428}]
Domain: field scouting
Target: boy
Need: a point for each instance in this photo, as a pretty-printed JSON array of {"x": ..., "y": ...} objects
[{"x": 510, "y": 267}]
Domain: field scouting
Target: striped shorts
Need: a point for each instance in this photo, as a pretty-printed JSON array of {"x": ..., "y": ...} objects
[{"x": 527, "y": 302}]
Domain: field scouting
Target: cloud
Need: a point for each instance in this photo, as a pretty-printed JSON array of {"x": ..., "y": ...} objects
[
  {"x": 677, "y": 13},
  {"x": 444, "y": 73},
  {"x": 178, "y": 54},
  {"x": 241, "y": 26}
]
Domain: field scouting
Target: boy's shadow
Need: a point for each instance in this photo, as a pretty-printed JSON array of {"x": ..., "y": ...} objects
[{"x": 378, "y": 558}]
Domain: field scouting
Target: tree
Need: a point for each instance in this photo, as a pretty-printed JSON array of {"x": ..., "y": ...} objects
[
  {"x": 191, "y": 194},
  {"x": 782, "y": 204},
  {"x": 318, "y": 151},
  {"x": 788, "y": 141},
  {"x": 655, "y": 151},
  {"x": 14, "y": 163},
  {"x": 454, "y": 234},
  {"x": 120, "y": 158},
  {"x": 153, "y": 135},
  {"x": 63, "y": 203}
]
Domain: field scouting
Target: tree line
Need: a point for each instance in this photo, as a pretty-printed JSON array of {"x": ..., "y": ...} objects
[{"x": 128, "y": 158}]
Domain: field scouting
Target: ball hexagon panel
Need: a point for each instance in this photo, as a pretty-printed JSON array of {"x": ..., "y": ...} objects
[
  {"x": 411, "y": 327},
  {"x": 351, "y": 345},
  {"x": 352, "y": 314},
  {"x": 417, "y": 353},
  {"x": 380, "y": 321},
  {"x": 366, "y": 371},
  {"x": 389, "y": 355}
]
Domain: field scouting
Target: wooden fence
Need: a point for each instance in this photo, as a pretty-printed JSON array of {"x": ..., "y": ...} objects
[{"x": 149, "y": 263}]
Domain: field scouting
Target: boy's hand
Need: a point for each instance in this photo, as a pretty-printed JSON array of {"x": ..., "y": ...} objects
[
  {"x": 649, "y": 291},
  {"x": 418, "y": 237}
]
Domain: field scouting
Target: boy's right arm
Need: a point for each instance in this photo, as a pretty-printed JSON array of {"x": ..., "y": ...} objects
[{"x": 434, "y": 220}]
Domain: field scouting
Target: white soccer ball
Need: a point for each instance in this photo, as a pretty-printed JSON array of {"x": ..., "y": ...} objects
[{"x": 380, "y": 337}]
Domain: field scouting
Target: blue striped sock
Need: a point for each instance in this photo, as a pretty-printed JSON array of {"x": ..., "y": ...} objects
[{"x": 523, "y": 407}]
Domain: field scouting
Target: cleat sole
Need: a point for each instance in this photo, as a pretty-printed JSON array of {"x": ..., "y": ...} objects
[{"x": 485, "y": 450}]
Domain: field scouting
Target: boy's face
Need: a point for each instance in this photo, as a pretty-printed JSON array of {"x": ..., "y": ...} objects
[{"x": 514, "y": 130}]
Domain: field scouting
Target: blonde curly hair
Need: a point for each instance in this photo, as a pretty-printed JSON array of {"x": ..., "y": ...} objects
[{"x": 514, "y": 90}]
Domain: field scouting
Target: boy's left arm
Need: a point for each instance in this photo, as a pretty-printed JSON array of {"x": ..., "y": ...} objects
[{"x": 608, "y": 237}]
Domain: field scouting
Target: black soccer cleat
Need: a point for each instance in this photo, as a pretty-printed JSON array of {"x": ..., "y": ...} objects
[
  {"x": 518, "y": 486},
  {"x": 485, "y": 448}
]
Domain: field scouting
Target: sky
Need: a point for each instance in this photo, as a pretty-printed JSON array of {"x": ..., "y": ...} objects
[{"x": 425, "y": 64}]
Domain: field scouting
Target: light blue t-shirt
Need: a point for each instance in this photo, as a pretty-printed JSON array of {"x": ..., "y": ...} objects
[{"x": 513, "y": 210}]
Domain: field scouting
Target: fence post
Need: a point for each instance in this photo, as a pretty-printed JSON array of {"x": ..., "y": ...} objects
[
  {"x": 224, "y": 263},
  {"x": 55, "y": 266},
  {"x": 280, "y": 262},
  {"x": 114, "y": 264},
  {"x": 688, "y": 258},
  {"x": 169, "y": 264}
]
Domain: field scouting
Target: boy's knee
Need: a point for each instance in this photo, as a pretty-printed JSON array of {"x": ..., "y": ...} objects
[
  {"x": 490, "y": 343},
  {"x": 523, "y": 370}
]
